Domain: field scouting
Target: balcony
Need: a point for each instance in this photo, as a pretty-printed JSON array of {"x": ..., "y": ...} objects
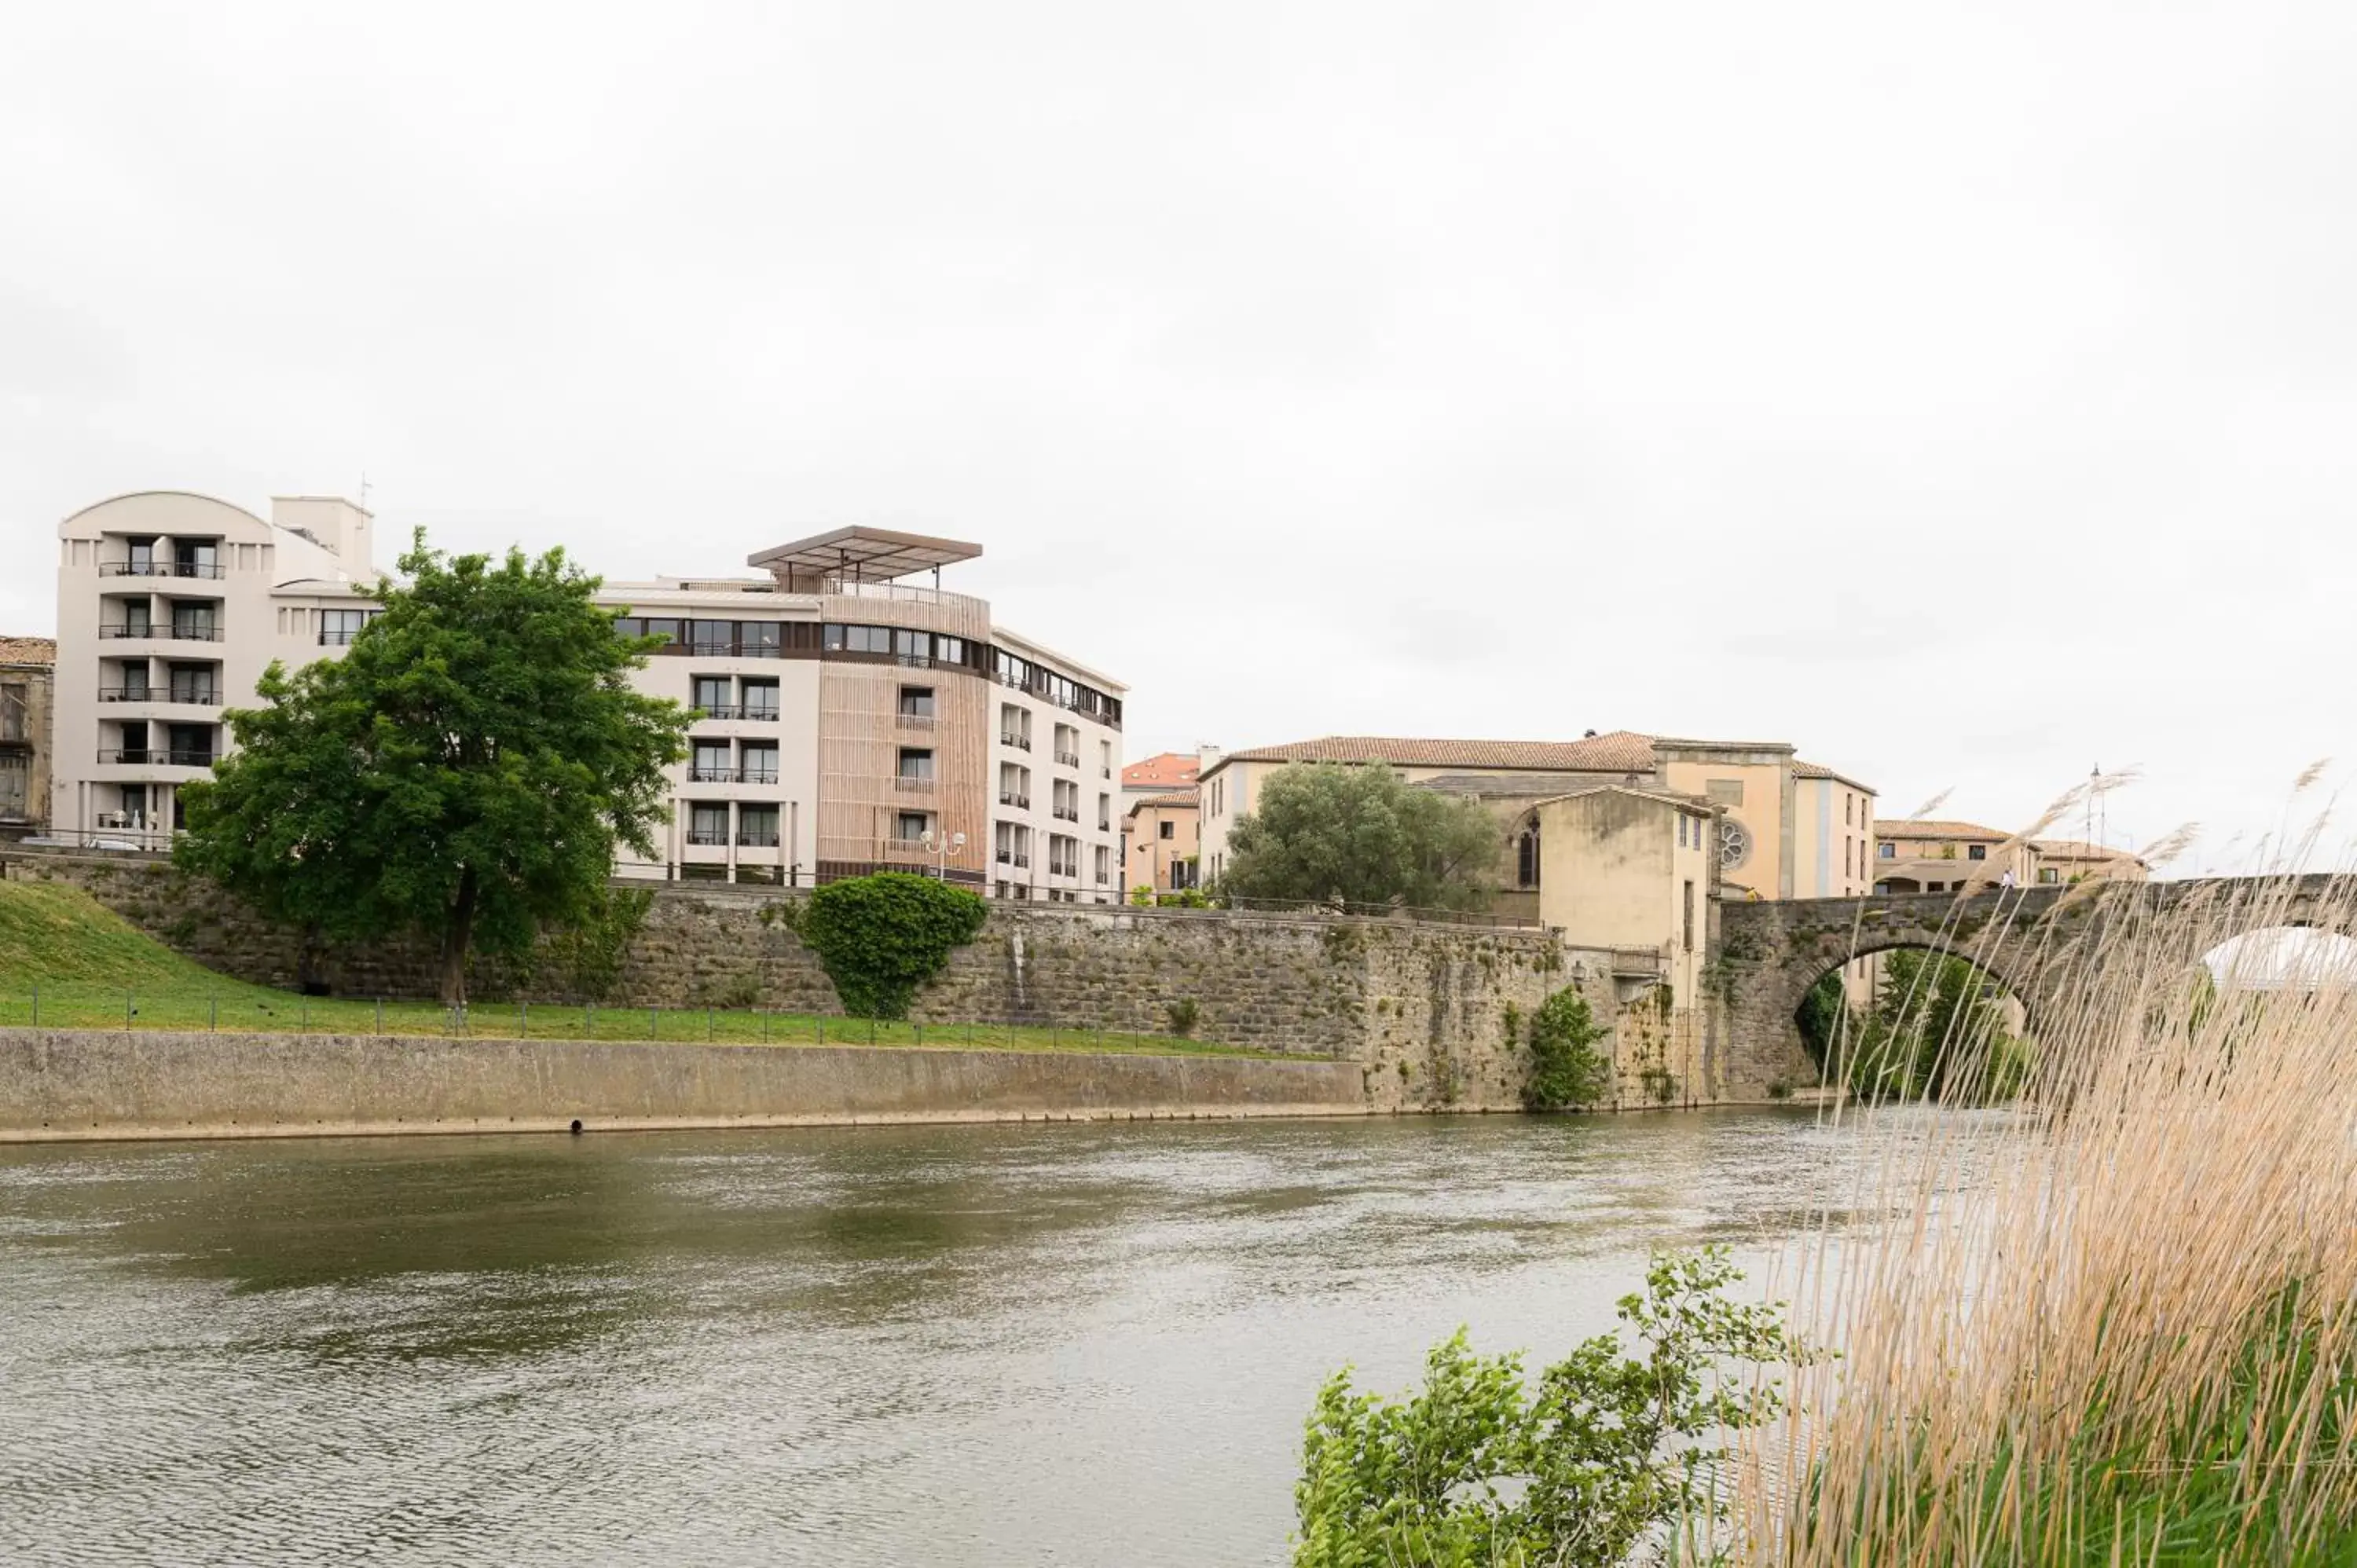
[
  {"x": 708, "y": 838},
  {"x": 1068, "y": 759},
  {"x": 1010, "y": 798},
  {"x": 1065, "y": 813},
  {"x": 158, "y": 569},
  {"x": 719, "y": 711},
  {"x": 915, "y": 720},
  {"x": 337, "y": 639},
  {"x": 1007, "y": 738},
  {"x": 753, "y": 773},
  {"x": 1103, "y": 825},
  {"x": 913, "y": 783},
  {"x": 1640, "y": 963},
  {"x": 1104, "y": 878},
  {"x": 723, "y": 647},
  {"x": 712, "y": 775},
  {"x": 1014, "y": 857},
  {"x": 758, "y": 838}
]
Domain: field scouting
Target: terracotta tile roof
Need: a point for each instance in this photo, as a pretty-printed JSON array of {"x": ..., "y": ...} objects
[
  {"x": 1932, "y": 828},
  {"x": 28, "y": 650},
  {"x": 1169, "y": 767},
  {"x": 1623, "y": 751},
  {"x": 1187, "y": 800},
  {"x": 1819, "y": 770}
]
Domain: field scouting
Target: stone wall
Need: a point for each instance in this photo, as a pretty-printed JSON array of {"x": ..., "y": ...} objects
[{"x": 1436, "y": 1015}]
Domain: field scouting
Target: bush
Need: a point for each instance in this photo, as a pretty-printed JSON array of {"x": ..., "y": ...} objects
[
  {"x": 1184, "y": 1015},
  {"x": 881, "y": 937},
  {"x": 1566, "y": 1067},
  {"x": 1611, "y": 1451}
]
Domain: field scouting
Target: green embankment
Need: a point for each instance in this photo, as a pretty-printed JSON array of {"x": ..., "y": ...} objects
[{"x": 68, "y": 962}]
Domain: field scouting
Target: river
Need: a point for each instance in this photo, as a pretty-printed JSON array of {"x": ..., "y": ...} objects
[{"x": 976, "y": 1344}]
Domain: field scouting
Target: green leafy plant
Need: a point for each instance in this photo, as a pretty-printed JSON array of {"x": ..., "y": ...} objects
[
  {"x": 881, "y": 937},
  {"x": 1617, "y": 1447},
  {"x": 1566, "y": 1067},
  {"x": 1142, "y": 896},
  {"x": 464, "y": 773},
  {"x": 1661, "y": 1083},
  {"x": 1364, "y": 835},
  {"x": 1184, "y": 1015}
]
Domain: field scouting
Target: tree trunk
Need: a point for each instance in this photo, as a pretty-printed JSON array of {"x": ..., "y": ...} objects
[{"x": 457, "y": 936}]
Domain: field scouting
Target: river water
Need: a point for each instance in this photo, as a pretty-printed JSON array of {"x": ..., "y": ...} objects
[{"x": 979, "y": 1345}]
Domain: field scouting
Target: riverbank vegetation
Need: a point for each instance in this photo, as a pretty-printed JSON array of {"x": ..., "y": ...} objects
[
  {"x": 2114, "y": 1322},
  {"x": 1322, "y": 831},
  {"x": 67, "y": 962},
  {"x": 1936, "y": 1028}
]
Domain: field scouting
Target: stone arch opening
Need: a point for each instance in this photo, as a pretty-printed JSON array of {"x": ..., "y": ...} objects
[
  {"x": 2294, "y": 955},
  {"x": 1913, "y": 1020}
]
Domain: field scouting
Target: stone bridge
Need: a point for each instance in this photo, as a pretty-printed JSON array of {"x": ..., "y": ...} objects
[{"x": 2036, "y": 941}]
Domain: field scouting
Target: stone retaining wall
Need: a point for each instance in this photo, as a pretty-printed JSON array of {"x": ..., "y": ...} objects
[{"x": 58, "y": 1085}]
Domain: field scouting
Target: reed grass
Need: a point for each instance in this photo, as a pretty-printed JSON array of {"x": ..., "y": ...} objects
[{"x": 2116, "y": 1324}]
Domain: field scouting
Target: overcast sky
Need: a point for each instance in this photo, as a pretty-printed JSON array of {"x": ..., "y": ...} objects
[{"x": 1965, "y": 395}]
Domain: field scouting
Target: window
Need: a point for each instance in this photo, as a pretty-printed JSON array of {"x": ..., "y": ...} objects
[
  {"x": 15, "y": 708},
  {"x": 1167, "y": 830},
  {"x": 666, "y": 626},
  {"x": 757, "y": 826},
  {"x": 1014, "y": 786},
  {"x": 948, "y": 649},
  {"x": 1105, "y": 758},
  {"x": 1104, "y": 864},
  {"x": 1849, "y": 803},
  {"x": 761, "y": 699},
  {"x": 913, "y": 647},
  {"x": 910, "y": 827},
  {"x": 337, "y": 627},
  {"x": 135, "y": 689},
  {"x": 761, "y": 762},
  {"x": 916, "y": 702},
  {"x": 200, "y": 623},
  {"x": 708, "y": 822},
  {"x": 196, "y": 558},
  {"x": 916, "y": 765},
  {"x": 1682, "y": 831},
  {"x": 1526, "y": 855},
  {"x": 757, "y": 638},
  {"x": 710, "y": 764},
  {"x": 143, "y": 556},
  {"x": 859, "y": 639},
  {"x": 1014, "y": 844},
  {"x": 1886, "y": 851},
  {"x": 2049, "y": 874},
  {"x": 1014, "y": 725},
  {"x": 1104, "y": 813},
  {"x": 1067, "y": 802},
  {"x": 134, "y": 619},
  {"x": 1976, "y": 852},
  {"x": 1068, "y": 746},
  {"x": 1689, "y": 916},
  {"x": 712, "y": 695},
  {"x": 190, "y": 684}
]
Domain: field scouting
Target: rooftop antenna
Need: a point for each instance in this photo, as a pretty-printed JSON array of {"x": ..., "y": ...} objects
[{"x": 364, "y": 489}]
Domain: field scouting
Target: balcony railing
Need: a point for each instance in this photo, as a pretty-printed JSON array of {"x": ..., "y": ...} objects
[
  {"x": 720, "y": 648},
  {"x": 719, "y": 710},
  {"x": 183, "y": 632},
  {"x": 1104, "y": 878},
  {"x": 1065, "y": 813},
  {"x": 915, "y": 720},
  {"x": 1105, "y": 824},
  {"x": 758, "y": 838},
  {"x": 712, "y": 775},
  {"x": 127, "y": 629},
  {"x": 196, "y": 696},
  {"x": 913, "y": 784},
  {"x": 1068, "y": 759},
  {"x": 158, "y": 569},
  {"x": 707, "y": 838},
  {"x": 1020, "y": 801},
  {"x": 339, "y": 638},
  {"x": 155, "y": 757},
  {"x": 1019, "y": 742},
  {"x": 1014, "y": 857},
  {"x": 756, "y": 774}
]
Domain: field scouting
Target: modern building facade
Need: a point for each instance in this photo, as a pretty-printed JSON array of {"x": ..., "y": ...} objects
[
  {"x": 27, "y": 675},
  {"x": 852, "y": 715}
]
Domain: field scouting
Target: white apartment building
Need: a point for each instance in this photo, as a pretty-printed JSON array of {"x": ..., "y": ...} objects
[{"x": 850, "y": 719}]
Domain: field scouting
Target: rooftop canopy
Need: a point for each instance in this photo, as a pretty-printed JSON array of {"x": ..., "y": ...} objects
[{"x": 858, "y": 554}]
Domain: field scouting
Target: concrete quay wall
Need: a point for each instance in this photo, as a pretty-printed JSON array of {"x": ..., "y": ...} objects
[{"x": 60, "y": 1085}]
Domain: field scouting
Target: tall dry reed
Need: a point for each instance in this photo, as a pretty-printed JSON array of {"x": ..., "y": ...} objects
[{"x": 2117, "y": 1323}]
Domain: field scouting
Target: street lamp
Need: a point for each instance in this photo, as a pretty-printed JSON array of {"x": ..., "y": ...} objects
[{"x": 941, "y": 846}]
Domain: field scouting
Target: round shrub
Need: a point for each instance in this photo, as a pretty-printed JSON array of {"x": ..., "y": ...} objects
[{"x": 881, "y": 937}]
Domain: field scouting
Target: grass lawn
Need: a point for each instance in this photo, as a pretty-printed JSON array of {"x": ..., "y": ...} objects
[{"x": 67, "y": 962}]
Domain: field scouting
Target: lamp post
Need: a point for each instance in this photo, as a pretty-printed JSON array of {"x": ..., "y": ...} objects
[{"x": 941, "y": 846}]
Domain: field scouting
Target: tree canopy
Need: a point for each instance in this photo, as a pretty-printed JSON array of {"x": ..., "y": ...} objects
[
  {"x": 463, "y": 773},
  {"x": 1365, "y": 834}
]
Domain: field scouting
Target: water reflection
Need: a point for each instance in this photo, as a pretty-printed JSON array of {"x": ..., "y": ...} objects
[{"x": 972, "y": 1345}]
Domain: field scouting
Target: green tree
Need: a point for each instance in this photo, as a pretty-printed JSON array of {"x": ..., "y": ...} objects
[
  {"x": 464, "y": 773},
  {"x": 1365, "y": 834},
  {"x": 1933, "y": 1032},
  {"x": 1611, "y": 1450},
  {"x": 1567, "y": 1068}
]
